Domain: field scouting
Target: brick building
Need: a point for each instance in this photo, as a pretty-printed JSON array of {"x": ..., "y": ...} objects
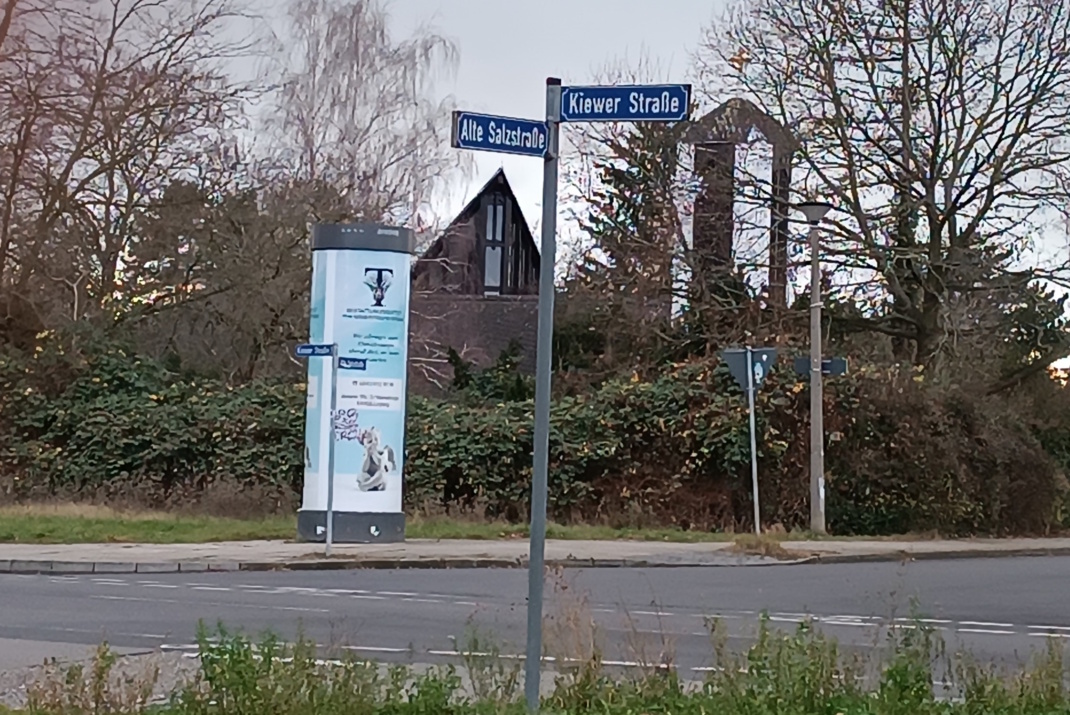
[{"x": 475, "y": 289}]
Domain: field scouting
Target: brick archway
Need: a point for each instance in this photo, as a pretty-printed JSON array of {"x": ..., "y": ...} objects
[{"x": 715, "y": 137}]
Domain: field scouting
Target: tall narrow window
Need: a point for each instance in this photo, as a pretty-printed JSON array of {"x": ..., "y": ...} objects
[
  {"x": 492, "y": 278},
  {"x": 494, "y": 245}
]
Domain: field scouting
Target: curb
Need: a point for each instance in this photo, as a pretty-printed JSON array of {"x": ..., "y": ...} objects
[
  {"x": 39, "y": 567},
  {"x": 27, "y": 567},
  {"x": 951, "y": 555}
]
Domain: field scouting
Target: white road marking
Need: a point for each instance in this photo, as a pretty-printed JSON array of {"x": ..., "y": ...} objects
[
  {"x": 396, "y": 593},
  {"x": 160, "y": 585},
  {"x": 211, "y": 603},
  {"x": 987, "y": 631},
  {"x": 211, "y": 588},
  {"x": 986, "y": 624},
  {"x": 835, "y": 621},
  {"x": 375, "y": 649},
  {"x": 635, "y": 664},
  {"x": 422, "y": 600},
  {"x": 98, "y": 631},
  {"x": 652, "y": 613},
  {"x": 1051, "y": 628}
]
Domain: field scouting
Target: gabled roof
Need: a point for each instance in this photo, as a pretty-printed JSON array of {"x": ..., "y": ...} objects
[{"x": 497, "y": 182}]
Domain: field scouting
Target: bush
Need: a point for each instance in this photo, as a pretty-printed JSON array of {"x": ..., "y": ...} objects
[
  {"x": 105, "y": 423},
  {"x": 672, "y": 450}
]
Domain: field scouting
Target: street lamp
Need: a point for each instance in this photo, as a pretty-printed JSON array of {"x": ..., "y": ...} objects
[{"x": 815, "y": 211}]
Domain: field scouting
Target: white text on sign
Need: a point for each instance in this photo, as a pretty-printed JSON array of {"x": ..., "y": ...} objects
[
  {"x": 498, "y": 134},
  {"x": 639, "y": 103}
]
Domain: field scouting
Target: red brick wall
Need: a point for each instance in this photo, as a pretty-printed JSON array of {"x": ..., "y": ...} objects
[{"x": 478, "y": 328}]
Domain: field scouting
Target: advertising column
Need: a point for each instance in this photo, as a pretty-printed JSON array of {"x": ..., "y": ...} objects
[{"x": 360, "y": 301}]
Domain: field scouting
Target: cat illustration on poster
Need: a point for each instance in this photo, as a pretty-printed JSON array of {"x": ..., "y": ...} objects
[{"x": 378, "y": 462}]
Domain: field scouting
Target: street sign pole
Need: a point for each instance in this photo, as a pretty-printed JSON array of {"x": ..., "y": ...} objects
[
  {"x": 750, "y": 367},
  {"x": 817, "y": 399},
  {"x": 544, "y": 365},
  {"x": 751, "y": 388},
  {"x": 330, "y": 451},
  {"x": 510, "y": 135},
  {"x": 323, "y": 350}
]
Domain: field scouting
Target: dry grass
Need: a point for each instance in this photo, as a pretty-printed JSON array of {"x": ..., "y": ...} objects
[{"x": 767, "y": 545}]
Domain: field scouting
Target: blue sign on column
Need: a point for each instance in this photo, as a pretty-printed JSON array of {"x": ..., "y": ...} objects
[
  {"x": 626, "y": 103},
  {"x": 313, "y": 350},
  {"x": 505, "y": 135}
]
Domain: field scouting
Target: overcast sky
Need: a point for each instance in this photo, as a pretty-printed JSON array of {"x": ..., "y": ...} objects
[{"x": 508, "y": 49}]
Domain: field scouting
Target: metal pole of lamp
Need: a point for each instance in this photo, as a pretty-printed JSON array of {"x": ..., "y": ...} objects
[{"x": 815, "y": 211}]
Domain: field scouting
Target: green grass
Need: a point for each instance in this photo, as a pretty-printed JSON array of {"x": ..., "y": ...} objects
[
  {"x": 77, "y": 524},
  {"x": 445, "y": 528},
  {"x": 84, "y": 524},
  {"x": 81, "y": 525}
]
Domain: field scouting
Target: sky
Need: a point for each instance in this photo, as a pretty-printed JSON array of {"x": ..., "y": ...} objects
[{"x": 508, "y": 50}]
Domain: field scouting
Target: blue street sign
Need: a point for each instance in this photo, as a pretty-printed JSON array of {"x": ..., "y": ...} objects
[
  {"x": 352, "y": 363},
  {"x": 505, "y": 135},
  {"x": 626, "y": 103},
  {"x": 312, "y": 350},
  {"x": 833, "y": 367},
  {"x": 761, "y": 362}
]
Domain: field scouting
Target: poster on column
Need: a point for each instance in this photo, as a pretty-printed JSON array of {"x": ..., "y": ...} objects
[{"x": 360, "y": 301}]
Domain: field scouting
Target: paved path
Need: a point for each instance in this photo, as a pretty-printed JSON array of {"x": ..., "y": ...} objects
[
  {"x": 999, "y": 609},
  {"x": 455, "y": 553}
]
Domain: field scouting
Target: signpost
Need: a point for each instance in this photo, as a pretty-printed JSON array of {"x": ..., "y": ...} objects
[
  {"x": 833, "y": 367},
  {"x": 750, "y": 366},
  {"x": 484, "y": 132},
  {"x": 626, "y": 103},
  {"x": 310, "y": 350},
  {"x": 503, "y": 135}
]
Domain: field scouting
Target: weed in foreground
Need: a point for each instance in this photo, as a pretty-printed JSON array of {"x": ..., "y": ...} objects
[{"x": 782, "y": 673}]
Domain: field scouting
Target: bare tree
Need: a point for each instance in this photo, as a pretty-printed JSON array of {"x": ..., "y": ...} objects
[
  {"x": 648, "y": 274},
  {"x": 110, "y": 102},
  {"x": 937, "y": 127},
  {"x": 357, "y": 110}
]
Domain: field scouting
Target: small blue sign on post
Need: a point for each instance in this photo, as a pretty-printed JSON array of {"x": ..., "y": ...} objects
[
  {"x": 833, "y": 367},
  {"x": 311, "y": 350},
  {"x": 504, "y": 135},
  {"x": 314, "y": 350},
  {"x": 750, "y": 366},
  {"x": 626, "y": 103},
  {"x": 345, "y": 363}
]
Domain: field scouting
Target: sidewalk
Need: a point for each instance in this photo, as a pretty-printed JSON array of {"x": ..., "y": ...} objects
[{"x": 282, "y": 555}]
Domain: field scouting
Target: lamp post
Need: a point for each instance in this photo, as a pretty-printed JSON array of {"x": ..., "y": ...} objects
[{"x": 815, "y": 211}]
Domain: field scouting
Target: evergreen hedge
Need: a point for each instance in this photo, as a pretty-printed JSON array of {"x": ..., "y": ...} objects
[{"x": 102, "y": 421}]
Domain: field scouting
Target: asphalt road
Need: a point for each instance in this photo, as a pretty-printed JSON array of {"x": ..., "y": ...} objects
[{"x": 999, "y": 610}]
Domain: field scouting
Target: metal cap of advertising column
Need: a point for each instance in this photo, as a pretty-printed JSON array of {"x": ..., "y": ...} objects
[{"x": 361, "y": 285}]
